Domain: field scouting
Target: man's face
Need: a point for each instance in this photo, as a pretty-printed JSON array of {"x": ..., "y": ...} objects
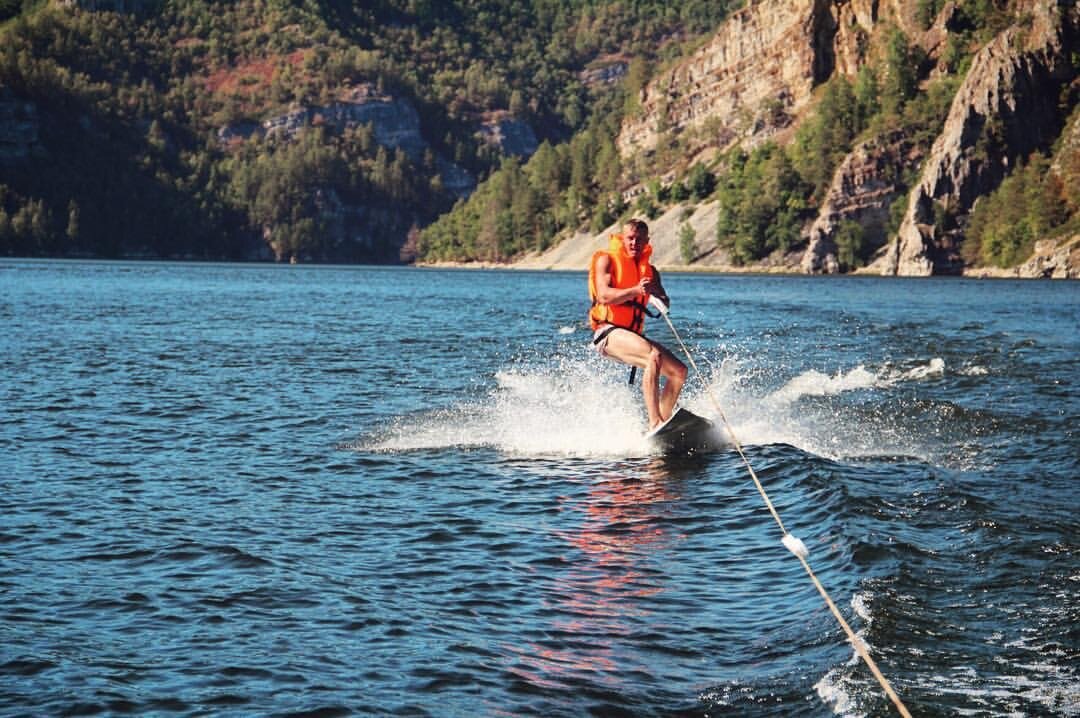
[{"x": 634, "y": 240}]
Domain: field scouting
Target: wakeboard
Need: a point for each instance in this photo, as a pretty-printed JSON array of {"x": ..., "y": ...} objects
[{"x": 686, "y": 433}]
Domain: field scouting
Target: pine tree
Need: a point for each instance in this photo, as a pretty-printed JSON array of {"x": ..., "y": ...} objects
[
  {"x": 899, "y": 82},
  {"x": 687, "y": 243},
  {"x": 72, "y": 230}
]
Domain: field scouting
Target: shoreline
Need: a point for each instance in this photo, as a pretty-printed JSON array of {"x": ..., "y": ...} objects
[
  {"x": 967, "y": 273},
  {"x": 1057, "y": 258}
]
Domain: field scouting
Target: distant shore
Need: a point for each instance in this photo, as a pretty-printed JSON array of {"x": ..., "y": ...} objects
[
  {"x": 968, "y": 273},
  {"x": 1056, "y": 258}
]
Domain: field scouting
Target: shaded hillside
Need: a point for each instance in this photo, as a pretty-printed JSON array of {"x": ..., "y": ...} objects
[{"x": 319, "y": 130}]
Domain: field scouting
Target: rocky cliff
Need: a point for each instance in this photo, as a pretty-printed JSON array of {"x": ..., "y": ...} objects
[
  {"x": 766, "y": 59},
  {"x": 394, "y": 121},
  {"x": 509, "y": 136},
  {"x": 769, "y": 58},
  {"x": 863, "y": 189},
  {"x": 1004, "y": 110}
]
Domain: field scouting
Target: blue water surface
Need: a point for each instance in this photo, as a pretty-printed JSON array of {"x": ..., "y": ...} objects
[{"x": 294, "y": 490}]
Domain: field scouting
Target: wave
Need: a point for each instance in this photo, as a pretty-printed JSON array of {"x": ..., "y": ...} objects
[
  {"x": 849, "y": 414},
  {"x": 815, "y": 383},
  {"x": 839, "y": 687}
]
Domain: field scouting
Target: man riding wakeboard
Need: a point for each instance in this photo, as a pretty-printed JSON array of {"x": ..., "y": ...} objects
[{"x": 622, "y": 284}]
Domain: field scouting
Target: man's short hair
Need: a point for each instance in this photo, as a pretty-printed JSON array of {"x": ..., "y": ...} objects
[{"x": 638, "y": 225}]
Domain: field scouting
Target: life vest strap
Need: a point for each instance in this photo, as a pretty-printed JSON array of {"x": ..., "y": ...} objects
[{"x": 604, "y": 334}]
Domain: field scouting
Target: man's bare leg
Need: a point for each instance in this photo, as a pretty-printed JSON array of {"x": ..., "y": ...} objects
[
  {"x": 674, "y": 372},
  {"x": 655, "y": 361}
]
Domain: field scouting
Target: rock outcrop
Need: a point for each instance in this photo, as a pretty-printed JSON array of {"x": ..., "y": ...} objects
[
  {"x": 512, "y": 137},
  {"x": 1005, "y": 109},
  {"x": 1053, "y": 259},
  {"x": 394, "y": 122},
  {"x": 854, "y": 22},
  {"x": 863, "y": 188},
  {"x": 1067, "y": 158},
  {"x": 604, "y": 72},
  {"x": 763, "y": 62},
  {"x": 773, "y": 51}
]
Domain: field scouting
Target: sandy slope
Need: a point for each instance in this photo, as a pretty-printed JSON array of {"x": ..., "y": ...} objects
[{"x": 575, "y": 252}]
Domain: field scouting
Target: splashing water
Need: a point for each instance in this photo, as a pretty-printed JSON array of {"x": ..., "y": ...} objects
[
  {"x": 567, "y": 408},
  {"x": 580, "y": 406}
]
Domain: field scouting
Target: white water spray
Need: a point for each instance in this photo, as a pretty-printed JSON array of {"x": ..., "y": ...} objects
[{"x": 578, "y": 404}]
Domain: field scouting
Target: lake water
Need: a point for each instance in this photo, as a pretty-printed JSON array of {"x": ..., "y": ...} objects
[{"x": 272, "y": 490}]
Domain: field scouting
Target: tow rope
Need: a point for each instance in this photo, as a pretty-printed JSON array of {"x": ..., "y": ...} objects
[{"x": 792, "y": 543}]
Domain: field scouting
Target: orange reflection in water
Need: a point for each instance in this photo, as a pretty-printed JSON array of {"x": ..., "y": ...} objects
[{"x": 595, "y": 604}]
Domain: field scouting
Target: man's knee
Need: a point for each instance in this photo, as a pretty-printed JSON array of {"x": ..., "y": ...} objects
[
  {"x": 676, "y": 371},
  {"x": 680, "y": 371}
]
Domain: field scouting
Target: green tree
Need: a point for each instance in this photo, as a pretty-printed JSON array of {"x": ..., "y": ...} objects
[
  {"x": 283, "y": 186},
  {"x": 9, "y": 9},
  {"x": 866, "y": 95},
  {"x": 7, "y": 234},
  {"x": 634, "y": 82},
  {"x": 926, "y": 11},
  {"x": 1027, "y": 206},
  {"x": 72, "y": 230},
  {"x": 647, "y": 206},
  {"x": 899, "y": 81},
  {"x": 687, "y": 243},
  {"x": 826, "y": 137},
  {"x": 850, "y": 245},
  {"x": 701, "y": 182},
  {"x": 762, "y": 202}
]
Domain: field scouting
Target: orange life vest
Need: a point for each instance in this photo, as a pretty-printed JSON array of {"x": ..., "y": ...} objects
[{"x": 625, "y": 272}]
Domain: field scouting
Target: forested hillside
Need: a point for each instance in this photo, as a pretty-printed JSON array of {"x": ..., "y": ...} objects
[{"x": 316, "y": 130}]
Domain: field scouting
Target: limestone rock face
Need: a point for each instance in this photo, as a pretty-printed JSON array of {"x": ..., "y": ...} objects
[
  {"x": 773, "y": 51},
  {"x": 1056, "y": 258},
  {"x": 1053, "y": 260},
  {"x": 604, "y": 73},
  {"x": 512, "y": 137},
  {"x": 394, "y": 121},
  {"x": 1069, "y": 150},
  {"x": 862, "y": 190},
  {"x": 456, "y": 179},
  {"x": 1007, "y": 99},
  {"x": 237, "y": 132},
  {"x": 854, "y": 21}
]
